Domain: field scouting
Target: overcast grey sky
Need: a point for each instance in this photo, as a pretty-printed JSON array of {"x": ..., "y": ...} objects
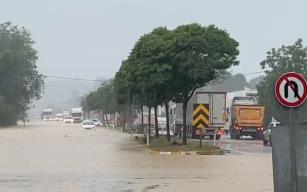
[{"x": 90, "y": 38}]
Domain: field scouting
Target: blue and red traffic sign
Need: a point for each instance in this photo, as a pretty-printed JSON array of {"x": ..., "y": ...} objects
[{"x": 291, "y": 89}]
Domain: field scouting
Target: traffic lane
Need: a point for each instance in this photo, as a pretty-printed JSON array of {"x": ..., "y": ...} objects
[
  {"x": 246, "y": 145},
  {"x": 61, "y": 157}
]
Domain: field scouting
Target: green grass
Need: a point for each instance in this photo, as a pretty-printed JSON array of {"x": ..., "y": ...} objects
[{"x": 161, "y": 144}]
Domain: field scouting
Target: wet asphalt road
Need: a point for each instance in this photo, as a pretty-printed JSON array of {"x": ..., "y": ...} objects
[
  {"x": 246, "y": 145},
  {"x": 57, "y": 157}
]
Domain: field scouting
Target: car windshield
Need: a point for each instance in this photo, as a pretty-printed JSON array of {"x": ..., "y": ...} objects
[
  {"x": 68, "y": 117},
  {"x": 88, "y": 123}
]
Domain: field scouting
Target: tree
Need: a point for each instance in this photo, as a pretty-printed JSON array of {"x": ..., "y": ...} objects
[
  {"x": 255, "y": 81},
  {"x": 151, "y": 69},
  {"x": 103, "y": 100},
  {"x": 292, "y": 58},
  {"x": 20, "y": 81},
  {"x": 140, "y": 75},
  {"x": 200, "y": 54}
]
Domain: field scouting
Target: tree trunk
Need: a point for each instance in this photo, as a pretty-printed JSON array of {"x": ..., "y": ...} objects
[
  {"x": 149, "y": 119},
  {"x": 106, "y": 116},
  {"x": 101, "y": 115},
  {"x": 142, "y": 123},
  {"x": 114, "y": 121},
  {"x": 23, "y": 119},
  {"x": 156, "y": 122},
  {"x": 184, "y": 122},
  {"x": 168, "y": 136}
]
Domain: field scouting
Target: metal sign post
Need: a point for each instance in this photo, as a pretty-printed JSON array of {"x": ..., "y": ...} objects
[
  {"x": 291, "y": 93},
  {"x": 200, "y": 119},
  {"x": 292, "y": 149}
]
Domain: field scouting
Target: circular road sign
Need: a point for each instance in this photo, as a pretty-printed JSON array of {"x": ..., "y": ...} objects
[{"x": 291, "y": 89}]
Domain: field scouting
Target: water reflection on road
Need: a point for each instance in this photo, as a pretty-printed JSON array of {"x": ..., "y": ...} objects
[
  {"x": 246, "y": 145},
  {"x": 57, "y": 157}
]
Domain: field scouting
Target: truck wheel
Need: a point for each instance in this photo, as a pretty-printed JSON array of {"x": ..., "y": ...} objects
[
  {"x": 260, "y": 136},
  {"x": 265, "y": 142},
  {"x": 238, "y": 136},
  {"x": 231, "y": 134}
]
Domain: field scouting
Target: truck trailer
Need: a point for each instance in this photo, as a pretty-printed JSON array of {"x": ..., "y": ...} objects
[
  {"x": 217, "y": 114},
  {"x": 247, "y": 118},
  {"x": 77, "y": 114},
  {"x": 47, "y": 115}
]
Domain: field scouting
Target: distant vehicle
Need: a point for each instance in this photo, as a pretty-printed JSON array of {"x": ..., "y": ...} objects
[
  {"x": 162, "y": 126},
  {"x": 59, "y": 117},
  {"x": 217, "y": 114},
  {"x": 247, "y": 118},
  {"x": 47, "y": 115},
  {"x": 68, "y": 119},
  {"x": 66, "y": 113},
  {"x": 88, "y": 124},
  {"x": 97, "y": 122},
  {"x": 77, "y": 115},
  {"x": 267, "y": 134}
]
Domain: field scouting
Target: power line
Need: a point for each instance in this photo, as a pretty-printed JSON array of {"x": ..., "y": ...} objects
[
  {"x": 252, "y": 73},
  {"x": 71, "y": 78},
  {"x": 102, "y": 81}
]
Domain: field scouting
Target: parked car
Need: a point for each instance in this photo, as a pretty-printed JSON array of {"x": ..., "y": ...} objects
[
  {"x": 68, "y": 119},
  {"x": 88, "y": 124},
  {"x": 97, "y": 122},
  {"x": 267, "y": 133}
]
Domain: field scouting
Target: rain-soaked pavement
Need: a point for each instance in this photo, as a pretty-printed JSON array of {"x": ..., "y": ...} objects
[
  {"x": 246, "y": 145},
  {"x": 57, "y": 157}
]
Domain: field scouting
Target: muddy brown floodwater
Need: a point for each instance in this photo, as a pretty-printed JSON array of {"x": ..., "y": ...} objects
[{"x": 58, "y": 157}]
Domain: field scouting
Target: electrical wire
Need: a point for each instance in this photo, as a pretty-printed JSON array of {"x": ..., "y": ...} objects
[
  {"x": 102, "y": 81},
  {"x": 71, "y": 78}
]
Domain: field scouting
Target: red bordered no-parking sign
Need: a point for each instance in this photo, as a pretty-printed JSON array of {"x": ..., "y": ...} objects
[{"x": 291, "y": 89}]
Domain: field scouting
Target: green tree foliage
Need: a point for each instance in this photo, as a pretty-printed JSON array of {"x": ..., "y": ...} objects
[
  {"x": 20, "y": 82},
  {"x": 169, "y": 65},
  {"x": 102, "y": 100},
  {"x": 151, "y": 68},
  {"x": 142, "y": 78},
  {"x": 255, "y": 81},
  {"x": 292, "y": 58},
  {"x": 200, "y": 54}
]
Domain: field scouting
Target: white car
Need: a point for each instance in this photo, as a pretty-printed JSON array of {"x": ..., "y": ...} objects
[
  {"x": 97, "y": 122},
  {"x": 88, "y": 124}
]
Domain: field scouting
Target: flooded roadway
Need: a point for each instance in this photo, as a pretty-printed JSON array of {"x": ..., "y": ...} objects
[
  {"x": 246, "y": 145},
  {"x": 52, "y": 156}
]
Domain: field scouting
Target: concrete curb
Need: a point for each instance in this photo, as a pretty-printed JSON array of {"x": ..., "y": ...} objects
[{"x": 215, "y": 152}]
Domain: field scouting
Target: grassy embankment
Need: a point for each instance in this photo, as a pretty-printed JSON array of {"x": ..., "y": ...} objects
[{"x": 160, "y": 144}]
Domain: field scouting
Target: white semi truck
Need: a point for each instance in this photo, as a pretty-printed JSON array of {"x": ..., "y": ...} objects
[
  {"x": 47, "y": 115},
  {"x": 217, "y": 114},
  {"x": 77, "y": 114}
]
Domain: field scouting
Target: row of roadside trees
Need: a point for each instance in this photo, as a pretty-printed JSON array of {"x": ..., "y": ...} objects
[{"x": 167, "y": 65}]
